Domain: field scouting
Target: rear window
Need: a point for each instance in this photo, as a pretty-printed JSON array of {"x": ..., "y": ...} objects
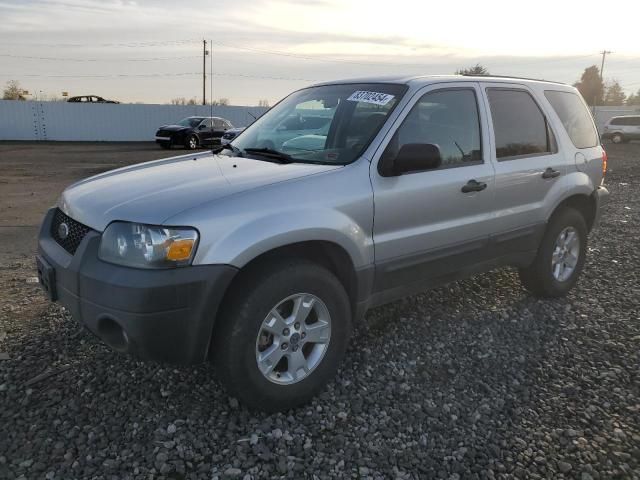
[
  {"x": 575, "y": 117},
  {"x": 519, "y": 126}
]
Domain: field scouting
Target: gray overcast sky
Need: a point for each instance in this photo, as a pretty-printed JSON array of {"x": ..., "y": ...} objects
[{"x": 151, "y": 51}]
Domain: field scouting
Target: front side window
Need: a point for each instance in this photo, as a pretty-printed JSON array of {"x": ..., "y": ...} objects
[
  {"x": 447, "y": 119},
  {"x": 520, "y": 128},
  {"x": 575, "y": 117},
  {"x": 326, "y": 124}
]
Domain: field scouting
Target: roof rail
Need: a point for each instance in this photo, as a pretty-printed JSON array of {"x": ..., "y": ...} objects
[{"x": 511, "y": 77}]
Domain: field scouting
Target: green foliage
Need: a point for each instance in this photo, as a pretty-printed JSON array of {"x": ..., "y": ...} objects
[
  {"x": 591, "y": 86},
  {"x": 634, "y": 99},
  {"x": 614, "y": 95},
  {"x": 476, "y": 70}
]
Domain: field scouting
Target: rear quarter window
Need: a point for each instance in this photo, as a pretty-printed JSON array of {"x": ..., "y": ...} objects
[{"x": 575, "y": 117}]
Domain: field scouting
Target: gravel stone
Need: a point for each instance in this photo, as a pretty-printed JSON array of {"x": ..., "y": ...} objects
[{"x": 473, "y": 380}]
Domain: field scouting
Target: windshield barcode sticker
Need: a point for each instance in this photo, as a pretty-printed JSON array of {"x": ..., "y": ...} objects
[{"x": 371, "y": 97}]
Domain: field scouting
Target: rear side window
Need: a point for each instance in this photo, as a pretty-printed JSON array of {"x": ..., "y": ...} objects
[
  {"x": 519, "y": 126},
  {"x": 625, "y": 121},
  {"x": 575, "y": 117}
]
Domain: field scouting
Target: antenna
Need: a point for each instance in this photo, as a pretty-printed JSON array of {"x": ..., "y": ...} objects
[{"x": 211, "y": 92}]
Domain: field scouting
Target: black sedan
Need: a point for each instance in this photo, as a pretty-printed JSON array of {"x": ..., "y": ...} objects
[{"x": 193, "y": 132}]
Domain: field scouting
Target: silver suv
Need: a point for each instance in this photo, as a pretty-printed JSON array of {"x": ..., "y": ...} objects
[
  {"x": 622, "y": 129},
  {"x": 260, "y": 256}
]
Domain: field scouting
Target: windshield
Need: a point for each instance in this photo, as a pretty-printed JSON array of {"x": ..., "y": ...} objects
[
  {"x": 190, "y": 122},
  {"x": 326, "y": 124}
]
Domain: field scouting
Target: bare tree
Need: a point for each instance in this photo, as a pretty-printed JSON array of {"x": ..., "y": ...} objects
[
  {"x": 13, "y": 91},
  {"x": 184, "y": 101},
  {"x": 263, "y": 103},
  {"x": 221, "y": 102}
]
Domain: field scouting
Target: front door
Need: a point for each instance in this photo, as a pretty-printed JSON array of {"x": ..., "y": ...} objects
[{"x": 429, "y": 224}]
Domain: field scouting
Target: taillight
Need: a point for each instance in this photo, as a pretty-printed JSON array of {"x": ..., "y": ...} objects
[{"x": 604, "y": 163}]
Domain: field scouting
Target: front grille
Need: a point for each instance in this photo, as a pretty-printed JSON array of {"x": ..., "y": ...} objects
[{"x": 77, "y": 231}]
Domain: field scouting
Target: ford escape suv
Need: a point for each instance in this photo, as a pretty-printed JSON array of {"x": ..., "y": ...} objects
[{"x": 261, "y": 259}]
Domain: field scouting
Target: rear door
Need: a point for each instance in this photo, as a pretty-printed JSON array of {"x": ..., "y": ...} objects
[
  {"x": 527, "y": 162},
  {"x": 425, "y": 226}
]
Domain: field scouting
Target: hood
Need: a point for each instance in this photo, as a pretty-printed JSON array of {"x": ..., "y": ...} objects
[
  {"x": 174, "y": 128},
  {"x": 155, "y": 191}
]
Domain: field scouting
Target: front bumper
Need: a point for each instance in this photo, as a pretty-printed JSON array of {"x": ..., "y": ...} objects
[{"x": 164, "y": 315}]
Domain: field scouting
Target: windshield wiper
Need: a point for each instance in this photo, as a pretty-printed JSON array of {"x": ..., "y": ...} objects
[
  {"x": 270, "y": 153},
  {"x": 227, "y": 146}
]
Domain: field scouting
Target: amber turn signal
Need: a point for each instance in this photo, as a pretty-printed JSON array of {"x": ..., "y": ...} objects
[{"x": 180, "y": 250}]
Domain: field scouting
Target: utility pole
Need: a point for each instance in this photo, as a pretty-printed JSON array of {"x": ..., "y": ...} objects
[
  {"x": 204, "y": 72},
  {"x": 604, "y": 54}
]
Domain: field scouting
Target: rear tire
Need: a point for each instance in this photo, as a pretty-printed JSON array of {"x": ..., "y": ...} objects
[
  {"x": 617, "y": 138},
  {"x": 243, "y": 338},
  {"x": 555, "y": 269}
]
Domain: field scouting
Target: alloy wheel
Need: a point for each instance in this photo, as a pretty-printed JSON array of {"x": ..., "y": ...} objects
[
  {"x": 293, "y": 338},
  {"x": 565, "y": 254}
]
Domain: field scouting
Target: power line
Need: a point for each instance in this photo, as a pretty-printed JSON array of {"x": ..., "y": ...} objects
[
  {"x": 67, "y": 59},
  {"x": 124, "y": 44},
  {"x": 149, "y": 75}
]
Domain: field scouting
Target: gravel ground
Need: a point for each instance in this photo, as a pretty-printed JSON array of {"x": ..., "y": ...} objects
[{"x": 473, "y": 380}]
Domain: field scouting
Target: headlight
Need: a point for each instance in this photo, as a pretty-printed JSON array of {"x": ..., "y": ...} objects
[{"x": 147, "y": 246}]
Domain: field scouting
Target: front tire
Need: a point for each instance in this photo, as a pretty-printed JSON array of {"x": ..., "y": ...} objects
[
  {"x": 560, "y": 257},
  {"x": 282, "y": 334},
  {"x": 191, "y": 142}
]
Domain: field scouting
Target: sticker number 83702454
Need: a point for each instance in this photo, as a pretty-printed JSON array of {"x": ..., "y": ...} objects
[{"x": 371, "y": 97}]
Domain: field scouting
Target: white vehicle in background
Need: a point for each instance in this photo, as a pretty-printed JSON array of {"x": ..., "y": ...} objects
[{"x": 622, "y": 129}]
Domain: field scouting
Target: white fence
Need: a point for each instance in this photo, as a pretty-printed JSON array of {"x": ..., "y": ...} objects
[
  {"x": 125, "y": 123},
  {"x": 103, "y": 122}
]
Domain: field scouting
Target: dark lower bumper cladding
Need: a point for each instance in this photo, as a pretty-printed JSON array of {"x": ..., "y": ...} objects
[{"x": 164, "y": 315}]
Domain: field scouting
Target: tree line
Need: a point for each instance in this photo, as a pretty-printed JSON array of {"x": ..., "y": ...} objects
[
  {"x": 594, "y": 90},
  {"x": 591, "y": 85}
]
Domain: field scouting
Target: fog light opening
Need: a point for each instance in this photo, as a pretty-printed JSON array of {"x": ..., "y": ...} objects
[{"x": 113, "y": 334}]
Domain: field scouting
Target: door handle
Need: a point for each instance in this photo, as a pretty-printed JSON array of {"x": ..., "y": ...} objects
[
  {"x": 550, "y": 173},
  {"x": 473, "y": 186}
]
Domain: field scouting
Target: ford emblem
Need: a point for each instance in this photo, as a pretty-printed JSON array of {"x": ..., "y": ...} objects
[{"x": 63, "y": 231}]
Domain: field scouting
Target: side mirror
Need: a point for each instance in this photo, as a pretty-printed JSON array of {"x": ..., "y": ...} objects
[
  {"x": 417, "y": 157},
  {"x": 202, "y": 127}
]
